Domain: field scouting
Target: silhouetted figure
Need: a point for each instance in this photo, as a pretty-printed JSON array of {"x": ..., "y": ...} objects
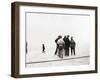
[
  {"x": 26, "y": 48},
  {"x": 43, "y": 48},
  {"x": 61, "y": 50},
  {"x": 72, "y": 46},
  {"x": 67, "y": 45},
  {"x": 57, "y": 44}
]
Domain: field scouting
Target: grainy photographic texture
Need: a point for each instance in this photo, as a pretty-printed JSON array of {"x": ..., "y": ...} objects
[
  {"x": 42, "y": 29},
  {"x": 53, "y": 39}
]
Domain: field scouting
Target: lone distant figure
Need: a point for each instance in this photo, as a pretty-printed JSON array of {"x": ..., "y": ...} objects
[
  {"x": 67, "y": 45},
  {"x": 72, "y": 46},
  {"x": 57, "y": 43},
  {"x": 43, "y": 48}
]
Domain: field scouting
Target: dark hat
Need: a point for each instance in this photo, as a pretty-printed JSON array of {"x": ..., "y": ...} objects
[
  {"x": 72, "y": 37},
  {"x": 67, "y": 35},
  {"x": 59, "y": 36}
]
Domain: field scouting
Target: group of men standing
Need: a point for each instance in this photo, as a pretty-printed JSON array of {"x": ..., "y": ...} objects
[{"x": 63, "y": 45}]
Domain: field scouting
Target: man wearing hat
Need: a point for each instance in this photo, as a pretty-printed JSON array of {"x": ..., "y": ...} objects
[
  {"x": 72, "y": 45},
  {"x": 67, "y": 45}
]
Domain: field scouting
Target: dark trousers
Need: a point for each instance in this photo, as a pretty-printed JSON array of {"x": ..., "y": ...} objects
[
  {"x": 72, "y": 51},
  {"x": 56, "y": 49},
  {"x": 67, "y": 51},
  {"x": 60, "y": 54},
  {"x": 43, "y": 50}
]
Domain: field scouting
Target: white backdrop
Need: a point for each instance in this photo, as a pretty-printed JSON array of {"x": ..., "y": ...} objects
[
  {"x": 5, "y": 40},
  {"x": 45, "y": 28}
]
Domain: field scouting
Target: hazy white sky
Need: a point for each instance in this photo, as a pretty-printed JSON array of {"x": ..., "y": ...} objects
[{"x": 44, "y": 28}]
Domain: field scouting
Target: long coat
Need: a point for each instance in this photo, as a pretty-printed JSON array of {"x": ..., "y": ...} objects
[
  {"x": 72, "y": 44},
  {"x": 67, "y": 42},
  {"x": 61, "y": 45}
]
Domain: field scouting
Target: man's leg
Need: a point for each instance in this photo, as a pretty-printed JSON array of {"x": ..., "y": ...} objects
[
  {"x": 71, "y": 51},
  {"x": 74, "y": 51},
  {"x": 56, "y": 50},
  {"x": 43, "y": 50},
  {"x": 59, "y": 52},
  {"x": 67, "y": 51}
]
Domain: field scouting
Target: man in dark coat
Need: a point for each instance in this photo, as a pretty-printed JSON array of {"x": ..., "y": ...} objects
[
  {"x": 67, "y": 45},
  {"x": 72, "y": 46},
  {"x": 57, "y": 44}
]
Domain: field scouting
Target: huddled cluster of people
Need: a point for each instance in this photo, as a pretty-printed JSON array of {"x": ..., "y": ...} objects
[{"x": 63, "y": 45}]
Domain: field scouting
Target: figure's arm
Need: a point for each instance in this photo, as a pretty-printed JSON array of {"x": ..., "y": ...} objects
[
  {"x": 69, "y": 43},
  {"x": 75, "y": 44},
  {"x": 56, "y": 40}
]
